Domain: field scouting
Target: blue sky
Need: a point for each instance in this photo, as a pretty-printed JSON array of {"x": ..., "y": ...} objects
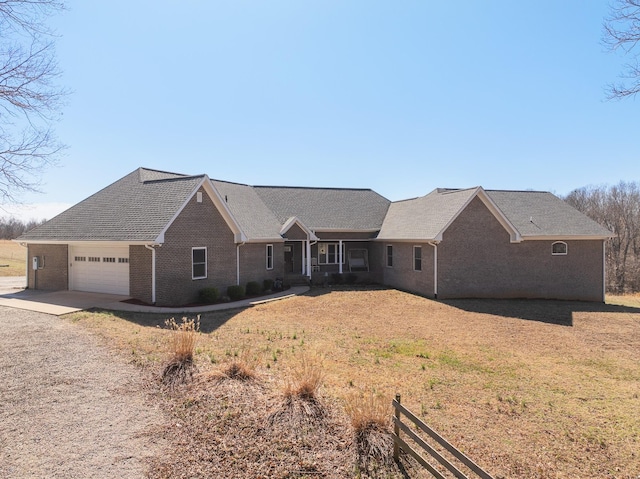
[{"x": 401, "y": 97}]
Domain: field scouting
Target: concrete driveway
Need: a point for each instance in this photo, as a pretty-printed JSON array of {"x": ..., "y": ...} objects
[{"x": 59, "y": 302}]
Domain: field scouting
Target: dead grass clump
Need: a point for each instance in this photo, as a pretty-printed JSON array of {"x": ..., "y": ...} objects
[
  {"x": 300, "y": 404},
  {"x": 180, "y": 367},
  {"x": 241, "y": 368},
  {"x": 371, "y": 422}
]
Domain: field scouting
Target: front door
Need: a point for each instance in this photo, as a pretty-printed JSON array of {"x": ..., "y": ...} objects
[{"x": 288, "y": 258}]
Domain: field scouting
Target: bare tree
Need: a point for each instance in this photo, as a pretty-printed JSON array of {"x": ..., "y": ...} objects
[
  {"x": 622, "y": 32},
  {"x": 618, "y": 209},
  {"x": 30, "y": 100}
]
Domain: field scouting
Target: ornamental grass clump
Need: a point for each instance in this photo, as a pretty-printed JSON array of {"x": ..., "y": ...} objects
[
  {"x": 371, "y": 422},
  {"x": 182, "y": 342},
  {"x": 300, "y": 402}
]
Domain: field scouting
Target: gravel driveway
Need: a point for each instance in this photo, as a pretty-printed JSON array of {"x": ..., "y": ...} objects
[{"x": 69, "y": 408}]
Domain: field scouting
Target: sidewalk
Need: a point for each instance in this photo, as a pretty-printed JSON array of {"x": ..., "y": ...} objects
[{"x": 65, "y": 302}]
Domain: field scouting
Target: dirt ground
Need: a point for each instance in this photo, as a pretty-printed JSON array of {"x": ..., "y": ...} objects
[{"x": 70, "y": 408}]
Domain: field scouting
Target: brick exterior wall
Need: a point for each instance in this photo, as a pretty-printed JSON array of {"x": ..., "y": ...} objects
[
  {"x": 140, "y": 273},
  {"x": 402, "y": 274},
  {"x": 198, "y": 225},
  {"x": 253, "y": 262},
  {"x": 476, "y": 259},
  {"x": 55, "y": 273}
]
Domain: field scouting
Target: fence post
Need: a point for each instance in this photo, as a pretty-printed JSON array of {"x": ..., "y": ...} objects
[{"x": 396, "y": 431}]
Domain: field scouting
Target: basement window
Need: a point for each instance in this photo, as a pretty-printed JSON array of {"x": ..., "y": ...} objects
[
  {"x": 559, "y": 248},
  {"x": 198, "y": 263}
]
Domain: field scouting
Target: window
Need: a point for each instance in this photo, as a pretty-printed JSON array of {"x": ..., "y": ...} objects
[
  {"x": 81, "y": 258},
  {"x": 269, "y": 256},
  {"x": 198, "y": 263},
  {"x": 328, "y": 253},
  {"x": 389, "y": 256},
  {"x": 559, "y": 248},
  {"x": 417, "y": 258},
  {"x": 108, "y": 260},
  {"x": 123, "y": 260},
  {"x": 94, "y": 259}
]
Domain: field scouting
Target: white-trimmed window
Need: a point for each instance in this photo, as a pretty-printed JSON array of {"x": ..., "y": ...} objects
[
  {"x": 389, "y": 254},
  {"x": 198, "y": 263},
  {"x": 417, "y": 258},
  {"x": 559, "y": 248},
  {"x": 328, "y": 253},
  {"x": 269, "y": 256}
]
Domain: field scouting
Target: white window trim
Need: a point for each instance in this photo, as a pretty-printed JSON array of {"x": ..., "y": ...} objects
[
  {"x": 337, "y": 246},
  {"x": 205, "y": 262},
  {"x": 269, "y": 256},
  {"x": 414, "y": 258},
  {"x": 566, "y": 248},
  {"x": 386, "y": 255}
]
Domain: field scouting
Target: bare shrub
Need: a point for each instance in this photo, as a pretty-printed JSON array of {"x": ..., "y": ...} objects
[
  {"x": 371, "y": 420},
  {"x": 180, "y": 367}
]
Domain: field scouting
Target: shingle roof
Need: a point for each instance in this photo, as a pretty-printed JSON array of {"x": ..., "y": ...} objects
[
  {"x": 134, "y": 208},
  {"x": 539, "y": 213},
  {"x": 326, "y": 208},
  {"x": 531, "y": 213},
  {"x": 255, "y": 219},
  {"x": 424, "y": 217}
]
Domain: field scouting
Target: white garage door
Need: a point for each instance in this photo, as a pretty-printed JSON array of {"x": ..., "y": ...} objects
[{"x": 99, "y": 269}]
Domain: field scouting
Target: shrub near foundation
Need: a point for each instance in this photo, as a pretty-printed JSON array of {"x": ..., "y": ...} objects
[
  {"x": 235, "y": 292},
  {"x": 208, "y": 295},
  {"x": 253, "y": 288}
]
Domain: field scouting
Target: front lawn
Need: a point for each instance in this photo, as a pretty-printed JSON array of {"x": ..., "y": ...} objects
[{"x": 531, "y": 389}]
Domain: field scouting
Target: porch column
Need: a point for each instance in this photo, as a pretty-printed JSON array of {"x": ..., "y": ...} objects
[{"x": 340, "y": 256}]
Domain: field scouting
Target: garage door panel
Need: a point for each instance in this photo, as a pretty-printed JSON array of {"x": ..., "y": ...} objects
[{"x": 100, "y": 270}]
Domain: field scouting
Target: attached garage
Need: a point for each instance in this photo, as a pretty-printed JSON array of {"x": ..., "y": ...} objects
[{"x": 99, "y": 269}]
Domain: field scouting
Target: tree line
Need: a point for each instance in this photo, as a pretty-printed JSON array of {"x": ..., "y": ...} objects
[
  {"x": 617, "y": 208},
  {"x": 11, "y": 228}
]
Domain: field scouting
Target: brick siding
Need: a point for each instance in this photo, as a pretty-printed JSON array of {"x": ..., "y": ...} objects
[
  {"x": 198, "y": 225},
  {"x": 55, "y": 273}
]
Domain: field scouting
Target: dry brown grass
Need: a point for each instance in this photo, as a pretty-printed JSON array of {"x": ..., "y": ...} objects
[
  {"x": 370, "y": 419},
  {"x": 532, "y": 389},
  {"x": 182, "y": 342},
  {"x": 13, "y": 258}
]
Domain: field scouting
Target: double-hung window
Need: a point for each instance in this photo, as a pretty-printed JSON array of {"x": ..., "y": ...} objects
[
  {"x": 417, "y": 258},
  {"x": 329, "y": 253},
  {"x": 269, "y": 256},
  {"x": 198, "y": 263}
]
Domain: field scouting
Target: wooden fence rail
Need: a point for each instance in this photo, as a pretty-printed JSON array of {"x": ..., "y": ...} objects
[{"x": 400, "y": 443}]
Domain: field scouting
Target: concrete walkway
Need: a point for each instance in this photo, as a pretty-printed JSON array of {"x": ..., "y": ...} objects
[{"x": 65, "y": 302}]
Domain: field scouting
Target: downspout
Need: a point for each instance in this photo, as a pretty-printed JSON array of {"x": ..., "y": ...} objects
[
  {"x": 604, "y": 270},
  {"x": 238, "y": 262},
  {"x": 153, "y": 273},
  {"x": 308, "y": 258},
  {"x": 435, "y": 268}
]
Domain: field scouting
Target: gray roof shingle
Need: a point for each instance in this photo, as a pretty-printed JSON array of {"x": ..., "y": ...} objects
[
  {"x": 134, "y": 208},
  {"x": 327, "y": 208},
  {"x": 255, "y": 219},
  {"x": 532, "y": 214},
  {"x": 539, "y": 213}
]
